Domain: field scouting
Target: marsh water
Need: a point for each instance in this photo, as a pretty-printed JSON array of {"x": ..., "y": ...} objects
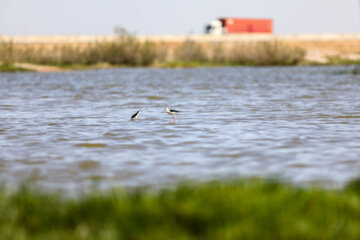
[{"x": 73, "y": 129}]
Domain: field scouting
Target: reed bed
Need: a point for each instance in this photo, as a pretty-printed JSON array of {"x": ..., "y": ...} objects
[
  {"x": 127, "y": 50},
  {"x": 238, "y": 209},
  {"x": 266, "y": 53}
]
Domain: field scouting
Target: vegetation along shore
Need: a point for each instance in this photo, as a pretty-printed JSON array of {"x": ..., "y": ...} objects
[
  {"x": 236, "y": 209},
  {"x": 127, "y": 50}
]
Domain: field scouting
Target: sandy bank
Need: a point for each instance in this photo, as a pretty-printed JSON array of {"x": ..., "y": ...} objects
[{"x": 39, "y": 68}]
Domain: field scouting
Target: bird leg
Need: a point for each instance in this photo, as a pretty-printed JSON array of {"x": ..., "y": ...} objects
[{"x": 173, "y": 117}]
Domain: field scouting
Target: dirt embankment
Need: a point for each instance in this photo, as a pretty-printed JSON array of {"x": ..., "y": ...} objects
[{"x": 39, "y": 68}]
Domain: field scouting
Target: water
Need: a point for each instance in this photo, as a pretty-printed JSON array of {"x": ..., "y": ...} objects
[{"x": 73, "y": 129}]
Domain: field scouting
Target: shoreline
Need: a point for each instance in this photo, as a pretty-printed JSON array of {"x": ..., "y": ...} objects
[
  {"x": 64, "y": 53},
  {"x": 29, "y": 67}
]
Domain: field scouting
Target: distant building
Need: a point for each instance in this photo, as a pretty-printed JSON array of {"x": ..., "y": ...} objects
[{"x": 239, "y": 25}]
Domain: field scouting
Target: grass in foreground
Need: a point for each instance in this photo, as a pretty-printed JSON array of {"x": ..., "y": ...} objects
[{"x": 213, "y": 210}]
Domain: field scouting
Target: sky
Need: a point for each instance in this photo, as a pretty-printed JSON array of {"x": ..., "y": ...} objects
[{"x": 152, "y": 17}]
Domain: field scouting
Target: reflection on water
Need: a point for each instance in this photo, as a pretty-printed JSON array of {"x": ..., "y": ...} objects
[{"x": 73, "y": 128}]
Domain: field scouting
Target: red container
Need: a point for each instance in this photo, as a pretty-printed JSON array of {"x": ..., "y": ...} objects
[{"x": 246, "y": 25}]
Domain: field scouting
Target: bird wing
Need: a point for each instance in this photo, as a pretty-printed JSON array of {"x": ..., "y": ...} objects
[{"x": 135, "y": 114}]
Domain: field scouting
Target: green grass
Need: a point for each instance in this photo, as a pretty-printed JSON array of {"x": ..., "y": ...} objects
[
  {"x": 12, "y": 68},
  {"x": 194, "y": 64},
  {"x": 334, "y": 61},
  {"x": 341, "y": 61},
  {"x": 241, "y": 209}
]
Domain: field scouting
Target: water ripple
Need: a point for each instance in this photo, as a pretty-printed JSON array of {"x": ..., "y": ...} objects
[{"x": 72, "y": 129}]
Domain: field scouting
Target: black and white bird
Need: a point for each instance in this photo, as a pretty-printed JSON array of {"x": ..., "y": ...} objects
[
  {"x": 135, "y": 116},
  {"x": 171, "y": 112}
]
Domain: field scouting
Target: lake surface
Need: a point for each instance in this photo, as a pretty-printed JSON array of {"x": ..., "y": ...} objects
[{"x": 73, "y": 129}]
